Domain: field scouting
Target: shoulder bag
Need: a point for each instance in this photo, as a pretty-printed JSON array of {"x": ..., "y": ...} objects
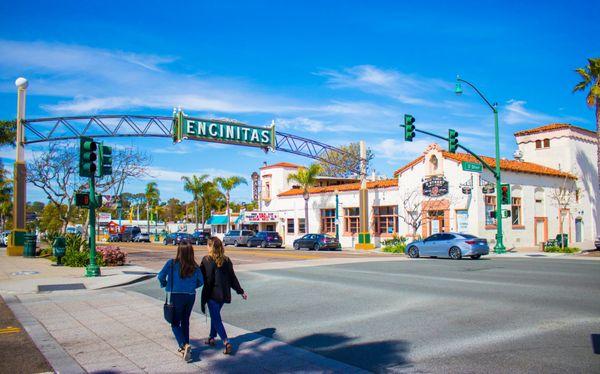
[{"x": 169, "y": 308}]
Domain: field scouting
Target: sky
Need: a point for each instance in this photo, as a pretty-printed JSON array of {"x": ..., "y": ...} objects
[{"x": 332, "y": 71}]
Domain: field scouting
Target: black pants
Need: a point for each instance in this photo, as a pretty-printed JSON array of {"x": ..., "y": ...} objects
[{"x": 183, "y": 302}]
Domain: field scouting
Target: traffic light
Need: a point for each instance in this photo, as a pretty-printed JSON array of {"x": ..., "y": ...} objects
[
  {"x": 409, "y": 127},
  {"x": 87, "y": 157},
  {"x": 105, "y": 157},
  {"x": 82, "y": 199},
  {"x": 505, "y": 190},
  {"x": 452, "y": 140}
]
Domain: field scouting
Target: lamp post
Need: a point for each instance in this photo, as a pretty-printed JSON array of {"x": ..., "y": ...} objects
[
  {"x": 499, "y": 247},
  {"x": 337, "y": 215}
]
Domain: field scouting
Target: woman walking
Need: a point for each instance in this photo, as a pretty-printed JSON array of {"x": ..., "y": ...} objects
[
  {"x": 181, "y": 277},
  {"x": 219, "y": 278}
]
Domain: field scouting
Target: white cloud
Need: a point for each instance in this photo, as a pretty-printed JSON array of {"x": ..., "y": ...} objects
[
  {"x": 518, "y": 114},
  {"x": 167, "y": 175},
  {"x": 300, "y": 123},
  {"x": 395, "y": 149}
]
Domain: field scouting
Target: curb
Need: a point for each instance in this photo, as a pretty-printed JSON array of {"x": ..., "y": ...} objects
[{"x": 60, "y": 360}]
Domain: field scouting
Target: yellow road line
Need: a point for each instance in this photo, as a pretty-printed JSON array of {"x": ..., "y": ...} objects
[{"x": 10, "y": 330}]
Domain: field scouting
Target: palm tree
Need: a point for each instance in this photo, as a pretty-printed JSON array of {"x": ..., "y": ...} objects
[
  {"x": 306, "y": 178},
  {"x": 152, "y": 195},
  {"x": 209, "y": 194},
  {"x": 193, "y": 185},
  {"x": 591, "y": 77},
  {"x": 228, "y": 184}
]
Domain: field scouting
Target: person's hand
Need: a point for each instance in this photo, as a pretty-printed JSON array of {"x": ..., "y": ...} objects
[{"x": 245, "y": 296}]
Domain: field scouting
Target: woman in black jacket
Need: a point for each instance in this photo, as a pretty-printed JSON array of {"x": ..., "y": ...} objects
[{"x": 219, "y": 279}]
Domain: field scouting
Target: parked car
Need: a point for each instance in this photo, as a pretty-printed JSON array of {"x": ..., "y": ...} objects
[
  {"x": 4, "y": 238},
  {"x": 597, "y": 243},
  {"x": 265, "y": 239},
  {"x": 200, "y": 237},
  {"x": 317, "y": 242},
  {"x": 178, "y": 237},
  {"x": 237, "y": 237},
  {"x": 115, "y": 237},
  {"x": 129, "y": 233},
  {"x": 142, "y": 237},
  {"x": 449, "y": 244}
]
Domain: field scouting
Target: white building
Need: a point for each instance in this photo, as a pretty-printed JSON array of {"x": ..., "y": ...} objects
[{"x": 553, "y": 183}]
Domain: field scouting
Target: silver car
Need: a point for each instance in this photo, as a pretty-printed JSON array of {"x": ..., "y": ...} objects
[
  {"x": 449, "y": 244},
  {"x": 237, "y": 237}
]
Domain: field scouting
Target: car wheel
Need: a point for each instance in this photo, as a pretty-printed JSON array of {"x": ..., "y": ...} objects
[
  {"x": 413, "y": 252},
  {"x": 317, "y": 247},
  {"x": 263, "y": 244},
  {"x": 455, "y": 253},
  {"x": 235, "y": 244},
  {"x": 475, "y": 257},
  {"x": 296, "y": 246}
]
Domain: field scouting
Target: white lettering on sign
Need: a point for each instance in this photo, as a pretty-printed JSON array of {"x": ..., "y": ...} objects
[
  {"x": 260, "y": 216},
  {"x": 229, "y": 132},
  {"x": 212, "y": 129}
]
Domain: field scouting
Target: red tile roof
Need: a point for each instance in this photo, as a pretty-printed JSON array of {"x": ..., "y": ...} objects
[
  {"x": 281, "y": 165},
  {"x": 386, "y": 183},
  {"x": 509, "y": 165},
  {"x": 552, "y": 127}
]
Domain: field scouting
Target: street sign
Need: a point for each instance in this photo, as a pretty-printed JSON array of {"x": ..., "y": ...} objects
[
  {"x": 223, "y": 132},
  {"x": 472, "y": 166}
]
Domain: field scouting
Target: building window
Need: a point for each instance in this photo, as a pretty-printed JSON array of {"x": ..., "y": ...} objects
[
  {"x": 490, "y": 206},
  {"x": 538, "y": 144},
  {"x": 328, "y": 220},
  {"x": 386, "y": 219},
  {"x": 267, "y": 190},
  {"x": 515, "y": 211},
  {"x": 546, "y": 143},
  {"x": 290, "y": 226},
  {"x": 351, "y": 220},
  {"x": 301, "y": 226}
]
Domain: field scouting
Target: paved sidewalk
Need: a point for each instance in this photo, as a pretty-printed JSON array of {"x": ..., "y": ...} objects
[
  {"x": 117, "y": 330},
  {"x": 24, "y": 275}
]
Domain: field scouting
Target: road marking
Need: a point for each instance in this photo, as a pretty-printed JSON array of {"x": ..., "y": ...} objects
[{"x": 10, "y": 330}]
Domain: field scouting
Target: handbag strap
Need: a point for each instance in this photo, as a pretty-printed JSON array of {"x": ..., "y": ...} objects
[{"x": 168, "y": 294}]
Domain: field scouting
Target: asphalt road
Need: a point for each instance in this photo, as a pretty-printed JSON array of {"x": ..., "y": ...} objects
[{"x": 495, "y": 315}]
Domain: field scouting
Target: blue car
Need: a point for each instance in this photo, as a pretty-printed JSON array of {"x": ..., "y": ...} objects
[{"x": 449, "y": 244}]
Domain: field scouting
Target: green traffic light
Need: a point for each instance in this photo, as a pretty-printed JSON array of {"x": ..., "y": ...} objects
[
  {"x": 409, "y": 127},
  {"x": 452, "y": 140}
]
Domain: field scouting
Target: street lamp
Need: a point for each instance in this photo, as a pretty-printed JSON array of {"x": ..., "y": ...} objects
[
  {"x": 499, "y": 247},
  {"x": 337, "y": 215}
]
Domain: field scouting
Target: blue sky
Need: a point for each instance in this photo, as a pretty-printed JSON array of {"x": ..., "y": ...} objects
[{"x": 332, "y": 71}]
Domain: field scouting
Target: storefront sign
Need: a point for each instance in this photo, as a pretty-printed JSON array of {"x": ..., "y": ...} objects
[
  {"x": 222, "y": 132},
  {"x": 260, "y": 217},
  {"x": 462, "y": 220},
  {"x": 488, "y": 189},
  {"x": 435, "y": 186},
  {"x": 471, "y": 166},
  {"x": 104, "y": 217}
]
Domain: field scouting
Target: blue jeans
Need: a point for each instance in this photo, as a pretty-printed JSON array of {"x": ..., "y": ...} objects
[
  {"x": 216, "y": 323},
  {"x": 183, "y": 302}
]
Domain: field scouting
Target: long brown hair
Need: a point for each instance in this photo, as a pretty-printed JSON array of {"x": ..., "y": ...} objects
[
  {"x": 187, "y": 262},
  {"x": 216, "y": 251}
]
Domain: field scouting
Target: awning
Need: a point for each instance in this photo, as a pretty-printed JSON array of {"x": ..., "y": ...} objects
[{"x": 217, "y": 220}]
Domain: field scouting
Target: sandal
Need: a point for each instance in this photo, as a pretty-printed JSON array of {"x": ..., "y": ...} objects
[
  {"x": 228, "y": 349},
  {"x": 210, "y": 341}
]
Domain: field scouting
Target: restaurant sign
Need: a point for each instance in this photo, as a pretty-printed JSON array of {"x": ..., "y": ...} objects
[
  {"x": 219, "y": 131},
  {"x": 435, "y": 186},
  {"x": 260, "y": 217}
]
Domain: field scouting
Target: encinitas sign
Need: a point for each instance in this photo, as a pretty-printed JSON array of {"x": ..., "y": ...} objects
[{"x": 222, "y": 132}]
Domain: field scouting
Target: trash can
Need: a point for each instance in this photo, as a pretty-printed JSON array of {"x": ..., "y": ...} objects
[
  {"x": 30, "y": 244},
  {"x": 59, "y": 248},
  {"x": 156, "y": 238}
]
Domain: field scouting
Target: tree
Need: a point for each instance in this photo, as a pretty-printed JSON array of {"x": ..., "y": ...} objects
[
  {"x": 51, "y": 218},
  {"x": 564, "y": 195},
  {"x": 306, "y": 178},
  {"x": 226, "y": 185},
  {"x": 338, "y": 163},
  {"x": 193, "y": 185},
  {"x": 590, "y": 76},
  {"x": 8, "y": 132},
  {"x": 209, "y": 195},
  {"x": 5, "y": 196},
  {"x": 152, "y": 196},
  {"x": 411, "y": 211},
  {"x": 56, "y": 173}
]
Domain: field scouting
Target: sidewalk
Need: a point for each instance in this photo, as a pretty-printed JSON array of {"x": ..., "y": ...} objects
[
  {"x": 24, "y": 275},
  {"x": 115, "y": 330}
]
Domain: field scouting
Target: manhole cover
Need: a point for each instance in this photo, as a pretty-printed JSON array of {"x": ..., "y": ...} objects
[
  {"x": 25, "y": 272},
  {"x": 61, "y": 287}
]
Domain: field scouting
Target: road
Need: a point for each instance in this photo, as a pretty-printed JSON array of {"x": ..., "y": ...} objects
[{"x": 428, "y": 315}]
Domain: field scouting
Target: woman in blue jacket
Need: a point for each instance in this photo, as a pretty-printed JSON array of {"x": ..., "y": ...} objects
[{"x": 182, "y": 275}]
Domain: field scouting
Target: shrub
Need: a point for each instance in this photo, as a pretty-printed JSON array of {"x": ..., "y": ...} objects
[
  {"x": 50, "y": 236},
  {"x": 397, "y": 244},
  {"x": 557, "y": 249},
  {"x": 112, "y": 255},
  {"x": 75, "y": 242},
  {"x": 77, "y": 252}
]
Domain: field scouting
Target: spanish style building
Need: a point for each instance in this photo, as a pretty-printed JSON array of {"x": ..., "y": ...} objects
[{"x": 553, "y": 189}]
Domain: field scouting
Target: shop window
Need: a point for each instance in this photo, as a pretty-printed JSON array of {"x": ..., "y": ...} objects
[
  {"x": 328, "y": 221},
  {"x": 490, "y": 206},
  {"x": 538, "y": 144},
  {"x": 546, "y": 143},
  {"x": 290, "y": 226},
  {"x": 386, "y": 219},
  {"x": 515, "y": 211},
  {"x": 351, "y": 220},
  {"x": 301, "y": 226}
]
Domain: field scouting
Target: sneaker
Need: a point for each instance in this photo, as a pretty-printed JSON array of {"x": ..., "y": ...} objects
[
  {"x": 180, "y": 351},
  {"x": 187, "y": 353}
]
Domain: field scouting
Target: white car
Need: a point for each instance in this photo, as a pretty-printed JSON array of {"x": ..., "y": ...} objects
[{"x": 597, "y": 242}]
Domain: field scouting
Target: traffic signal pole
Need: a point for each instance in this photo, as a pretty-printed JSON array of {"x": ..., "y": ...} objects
[{"x": 92, "y": 270}]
